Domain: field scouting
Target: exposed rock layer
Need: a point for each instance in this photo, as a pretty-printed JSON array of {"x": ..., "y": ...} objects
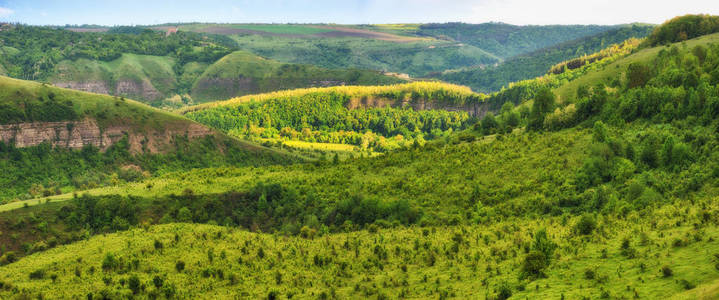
[
  {"x": 77, "y": 134},
  {"x": 474, "y": 109}
]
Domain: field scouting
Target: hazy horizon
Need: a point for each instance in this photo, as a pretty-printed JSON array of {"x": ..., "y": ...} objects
[{"x": 517, "y": 12}]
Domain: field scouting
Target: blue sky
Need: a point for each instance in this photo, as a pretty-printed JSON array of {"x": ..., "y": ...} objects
[{"x": 133, "y": 12}]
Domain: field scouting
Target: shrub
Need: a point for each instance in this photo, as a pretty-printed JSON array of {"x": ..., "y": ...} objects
[
  {"x": 686, "y": 284},
  {"x": 37, "y": 274},
  {"x": 184, "y": 215},
  {"x": 157, "y": 281},
  {"x": 585, "y": 225},
  {"x": 134, "y": 284},
  {"x": 109, "y": 262},
  {"x": 589, "y": 274},
  {"x": 504, "y": 292},
  {"x": 158, "y": 245},
  {"x": 667, "y": 271},
  {"x": 8, "y": 258},
  {"x": 534, "y": 264},
  {"x": 180, "y": 266}
]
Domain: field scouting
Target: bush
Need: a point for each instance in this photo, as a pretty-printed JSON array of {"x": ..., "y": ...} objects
[
  {"x": 37, "y": 274},
  {"x": 8, "y": 258},
  {"x": 134, "y": 284},
  {"x": 686, "y": 284},
  {"x": 157, "y": 281},
  {"x": 504, "y": 292},
  {"x": 184, "y": 215},
  {"x": 589, "y": 274},
  {"x": 667, "y": 272},
  {"x": 180, "y": 266},
  {"x": 109, "y": 262},
  {"x": 533, "y": 265},
  {"x": 585, "y": 225}
]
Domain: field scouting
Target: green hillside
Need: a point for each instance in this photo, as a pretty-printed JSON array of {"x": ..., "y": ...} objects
[
  {"x": 601, "y": 183},
  {"x": 537, "y": 63},
  {"x": 241, "y": 73},
  {"x": 415, "y": 49},
  {"x": 362, "y": 118},
  {"x": 166, "y": 71},
  {"x": 115, "y": 140}
]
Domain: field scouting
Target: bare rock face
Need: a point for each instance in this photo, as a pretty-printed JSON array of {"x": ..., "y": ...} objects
[
  {"x": 473, "y": 109},
  {"x": 77, "y": 134},
  {"x": 98, "y": 87},
  {"x": 142, "y": 88}
]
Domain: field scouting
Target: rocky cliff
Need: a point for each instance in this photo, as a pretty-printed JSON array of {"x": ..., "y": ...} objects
[
  {"x": 77, "y": 134},
  {"x": 475, "y": 109},
  {"x": 141, "y": 89}
]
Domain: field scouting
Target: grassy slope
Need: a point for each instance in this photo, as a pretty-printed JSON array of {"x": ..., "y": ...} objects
[
  {"x": 537, "y": 63},
  {"x": 567, "y": 92},
  {"x": 485, "y": 258},
  {"x": 115, "y": 111},
  {"x": 155, "y": 69},
  {"x": 414, "y": 58},
  {"x": 268, "y": 75},
  {"x": 138, "y": 117}
]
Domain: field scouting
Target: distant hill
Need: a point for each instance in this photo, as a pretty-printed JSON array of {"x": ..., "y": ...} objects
[
  {"x": 241, "y": 73},
  {"x": 525, "y": 66},
  {"x": 163, "y": 70}
]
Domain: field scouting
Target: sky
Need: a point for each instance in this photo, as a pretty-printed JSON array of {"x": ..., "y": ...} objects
[{"x": 519, "y": 12}]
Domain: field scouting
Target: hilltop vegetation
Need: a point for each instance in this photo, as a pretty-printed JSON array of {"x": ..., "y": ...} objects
[
  {"x": 494, "y": 78},
  {"x": 374, "y": 119},
  {"x": 683, "y": 28},
  {"x": 415, "y": 49}
]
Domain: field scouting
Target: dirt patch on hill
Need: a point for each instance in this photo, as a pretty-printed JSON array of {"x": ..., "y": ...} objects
[
  {"x": 87, "y": 29},
  {"x": 338, "y": 31},
  {"x": 238, "y": 31}
]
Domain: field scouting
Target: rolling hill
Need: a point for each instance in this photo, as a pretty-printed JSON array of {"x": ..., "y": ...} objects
[
  {"x": 601, "y": 183},
  {"x": 530, "y": 65},
  {"x": 241, "y": 73},
  {"x": 169, "y": 71},
  {"x": 56, "y": 140},
  {"x": 347, "y": 119}
]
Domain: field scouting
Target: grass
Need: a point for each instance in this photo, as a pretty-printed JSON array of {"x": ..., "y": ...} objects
[
  {"x": 112, "y": 110},
  {"x": 157, "y": 70},
  {"x": 457, "y": 261}
]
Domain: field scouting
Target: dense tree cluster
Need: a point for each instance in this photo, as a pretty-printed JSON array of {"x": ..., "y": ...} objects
[
  {"x": 683, "y": 28},
  {"x": 324, "y": 116},
  {"x": 41, "y": 48}
]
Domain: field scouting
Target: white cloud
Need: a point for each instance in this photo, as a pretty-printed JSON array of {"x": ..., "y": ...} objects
[{"x": 6, "y": 11}]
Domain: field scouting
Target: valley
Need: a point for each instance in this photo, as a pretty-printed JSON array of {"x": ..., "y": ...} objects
[{"x": 284, "y": 161}]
